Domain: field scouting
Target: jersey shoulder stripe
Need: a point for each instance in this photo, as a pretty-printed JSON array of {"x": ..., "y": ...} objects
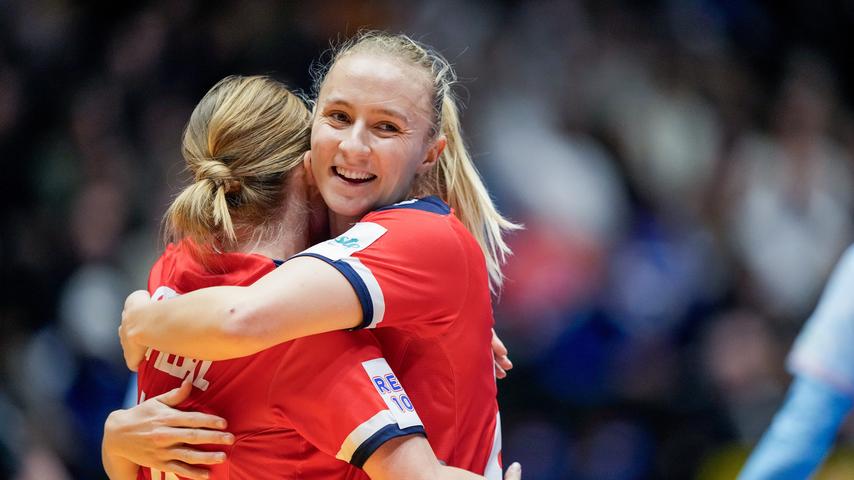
[
  {"x": 369, "y": 446},
  {"x": 432, "y": 204},
  {"x": 400, "y": 418},
  {"x": 338, "y": 253},
  {"x": 367, "y": 288}
]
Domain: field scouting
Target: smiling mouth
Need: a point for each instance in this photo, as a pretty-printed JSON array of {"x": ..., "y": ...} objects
[{"x": 353, "y": 176}]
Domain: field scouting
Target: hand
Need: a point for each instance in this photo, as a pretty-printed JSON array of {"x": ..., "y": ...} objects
[
  {"x": 502, "y": 361},
  {"x": 134, "y": 353},
  {"x": 156, "y": 435},
  {"x": 514, "y": 472}
]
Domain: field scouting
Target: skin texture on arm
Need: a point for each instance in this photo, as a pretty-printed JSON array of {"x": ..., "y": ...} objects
[
  {"x": 305, "y": 296},
  {"x": 412, "y": 458},
  {"x": 139, "y": 302},
  {"x": 154, "y": 434},
  {"x": 116, "y": 467}
]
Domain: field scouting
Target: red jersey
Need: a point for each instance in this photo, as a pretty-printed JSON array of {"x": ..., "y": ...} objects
[
  {"x": 303, "y": 409},
  {"x": 422, "y": 282}
]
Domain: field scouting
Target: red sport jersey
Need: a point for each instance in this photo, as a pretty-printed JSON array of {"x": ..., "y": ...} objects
[
  {"x": 293, "y": 408},
  {"x": 422, "y": 282}
]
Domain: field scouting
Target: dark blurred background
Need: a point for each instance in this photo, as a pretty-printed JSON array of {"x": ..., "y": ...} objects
[{"x": 683, "y": 167}]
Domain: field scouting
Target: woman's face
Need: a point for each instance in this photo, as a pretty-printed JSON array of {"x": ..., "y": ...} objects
[{"x": 371, "y": 133}]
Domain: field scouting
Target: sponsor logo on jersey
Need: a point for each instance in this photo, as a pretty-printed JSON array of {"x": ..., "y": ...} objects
[
  {"x": 348, "y": 242},
  {"x": 391, "y": 391},
  {"x": 358, "y": 238}
]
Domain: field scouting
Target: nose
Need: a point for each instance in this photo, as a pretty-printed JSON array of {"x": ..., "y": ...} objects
[{"x": 355, "y": 143}]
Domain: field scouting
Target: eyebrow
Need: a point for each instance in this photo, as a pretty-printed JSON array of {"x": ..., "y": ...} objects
[{"x": 381, "y": 110}]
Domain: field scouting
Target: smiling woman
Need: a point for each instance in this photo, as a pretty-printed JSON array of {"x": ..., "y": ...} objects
[
  {"x": 372, "y": 134},
  {"x": 419, "y": 247}
]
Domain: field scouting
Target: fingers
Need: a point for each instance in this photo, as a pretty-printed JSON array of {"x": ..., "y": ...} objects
[
  {"x": 198, "y": 457},
  {"x": 514, "y": 472},
  {"x": 134, "y": 353},
  {"x": 196, "y": 420},
  {"x": 139, "y": 297},
  {"x": 188, "y": 420},
  {"x": 185, "y": 470},
  {"x": 177, "y": 395},
  {"x": 502, "y": 361},
  {"x": 197, "y": 436},
  {"x": 497, "y": 345}
]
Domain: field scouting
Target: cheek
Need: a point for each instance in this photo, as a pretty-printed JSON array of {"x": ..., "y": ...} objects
[
  {"x": 403, "y": 174},
  {"x": 323, "y": 138}
]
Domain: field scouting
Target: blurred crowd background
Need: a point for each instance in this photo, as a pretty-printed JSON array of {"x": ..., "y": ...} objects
[{"x": 683, "y": 168}]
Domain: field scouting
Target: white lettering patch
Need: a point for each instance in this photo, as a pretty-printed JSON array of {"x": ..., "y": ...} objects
[
  {"x": 359, "y": 237},
  {"x": 386, "y": 383}
]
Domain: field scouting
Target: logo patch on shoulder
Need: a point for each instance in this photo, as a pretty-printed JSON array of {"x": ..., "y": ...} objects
[
  {"x": 391, "y": 391},
  {"x": 359, "y": 237}
]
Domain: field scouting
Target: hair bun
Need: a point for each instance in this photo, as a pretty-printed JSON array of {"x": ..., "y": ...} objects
[{"x": 218, "y": 172}]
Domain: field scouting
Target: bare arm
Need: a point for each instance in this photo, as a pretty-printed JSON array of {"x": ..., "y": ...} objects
[
  {"x": 305, "y": 296},
  {"x": 154, "y": 434},
  {"x": 412, "y": 458}
]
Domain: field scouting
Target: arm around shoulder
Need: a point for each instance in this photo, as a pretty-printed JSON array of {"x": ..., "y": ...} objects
[{"x": 303, "y": 297}]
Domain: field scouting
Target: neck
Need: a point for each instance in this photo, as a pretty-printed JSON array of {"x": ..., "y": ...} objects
[
  {"x": 339, "y": 224},
  {"x": 278, "y": 241}
]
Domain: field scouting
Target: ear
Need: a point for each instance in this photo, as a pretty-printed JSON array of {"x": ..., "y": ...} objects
[
  {"x": 306, "y": 163},
  {"x": 433, "y": 154}
]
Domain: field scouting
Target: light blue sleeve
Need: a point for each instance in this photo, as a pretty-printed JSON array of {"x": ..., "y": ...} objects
[
  {"x": 801, "y": 434},
  {"x": 825, "y": 347}
]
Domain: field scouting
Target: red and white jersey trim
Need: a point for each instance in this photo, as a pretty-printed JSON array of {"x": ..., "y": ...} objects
[
  {"x": 376, "y": 293},
  {"x": 363, "y": 432},
  {"x": 493, "y": 465}
]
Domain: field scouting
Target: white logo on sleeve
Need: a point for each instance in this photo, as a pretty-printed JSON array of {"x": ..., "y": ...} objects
[
  {"x": 359, "y": 237},
  {"x": 391, "y": 391}
]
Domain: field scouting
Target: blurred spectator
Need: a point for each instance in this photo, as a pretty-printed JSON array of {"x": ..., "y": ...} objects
[{"x": 792, "y": 192}]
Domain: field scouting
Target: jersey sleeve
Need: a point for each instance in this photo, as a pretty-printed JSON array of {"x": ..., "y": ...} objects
[
  {"x": 409, "y": 271},
  {"x": 823, "y": 348},
  {"x": 339, "y": 393}
]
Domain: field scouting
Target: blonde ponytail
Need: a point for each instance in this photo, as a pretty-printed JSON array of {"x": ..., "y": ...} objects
[
  {"x": 455, "y": 178},
  {"x": 243, "y": 137},
  {"x": 465, "y": 192}
]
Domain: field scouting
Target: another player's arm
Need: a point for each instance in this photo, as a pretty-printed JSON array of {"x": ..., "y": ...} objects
[
  {"x": 154, "y": 434},
  {"x": 412, "y": 458},
  {"x": 303, "y": 297}
]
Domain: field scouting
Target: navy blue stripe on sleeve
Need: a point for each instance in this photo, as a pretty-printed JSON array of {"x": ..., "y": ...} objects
[
  {"x": 369, "y": 446},
  {"x": 356, "y": 282},
  {"x": 431, "y": 204}
]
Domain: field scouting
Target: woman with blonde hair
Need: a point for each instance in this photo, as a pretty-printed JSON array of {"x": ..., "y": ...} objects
[
  {"x": 292, "y": 409},
  {"x": 418, "y": 251}
]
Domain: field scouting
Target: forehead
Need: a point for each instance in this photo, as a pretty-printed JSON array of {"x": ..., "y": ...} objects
[{"x": 367, "y": 79}]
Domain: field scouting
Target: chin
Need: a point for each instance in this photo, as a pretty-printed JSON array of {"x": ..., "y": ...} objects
[{"x": 349, "y": 208}]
